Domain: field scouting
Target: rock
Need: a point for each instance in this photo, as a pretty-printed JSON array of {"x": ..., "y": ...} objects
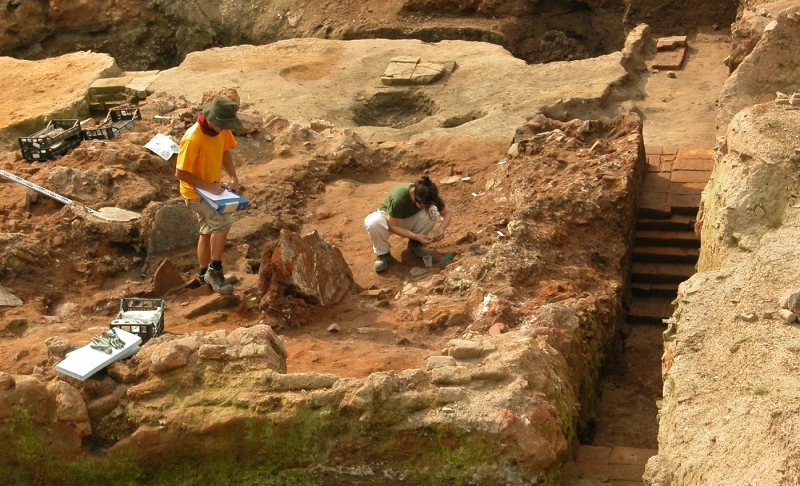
[
  {"x": 334, "y": 328},
  {"x": 450, "y": 394},
  {"x": 463, "y": 349},
  {"x": 6, "y": 381},
  {"x": 169, "y": 356},
  {"x": 300, "y": 381},
  {"x": 748, "y": 317},
  {"x": 212, "y": 351},
  {"x": 307, "y": 267},
  {"x": 230, "y": 93},
  {"x": 318, "y": 124},
  {"x": 497, "y": 328},
  {"x": 57, "y": 346},
  {"x": 671, "y": 74},
  {"x": 450, "y": 375},
  {"x": 787, "y": 315},
  {"x": 70, "y": 406},
  {"x": 166, "y": 277},
  {"x": 440, "y": 361}
]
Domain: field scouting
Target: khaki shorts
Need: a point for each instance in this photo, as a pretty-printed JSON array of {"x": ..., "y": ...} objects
[{"x": 210, "y": 221}]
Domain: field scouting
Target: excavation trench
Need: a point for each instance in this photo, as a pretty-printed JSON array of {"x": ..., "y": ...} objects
[{"x": 567, "y": 265}]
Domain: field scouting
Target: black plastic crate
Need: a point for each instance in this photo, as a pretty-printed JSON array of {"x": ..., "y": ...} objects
[
  {"x": 38, "y": 154},
  {"x": 117, "y": 120},
  {"x": 122, "y": 114},
  {"x": 55, "y": 139},
  {"x": 143, "y": 317}
]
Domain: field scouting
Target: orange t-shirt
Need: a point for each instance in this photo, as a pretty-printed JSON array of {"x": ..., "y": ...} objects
[{"x": 201, "y": 155}]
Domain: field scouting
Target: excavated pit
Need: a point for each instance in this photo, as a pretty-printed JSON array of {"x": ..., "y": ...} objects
[{"x": 397, "y": 109}]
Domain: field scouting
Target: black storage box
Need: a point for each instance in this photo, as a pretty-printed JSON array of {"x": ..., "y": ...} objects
[
  {"x": 117, "y": 120},
  {"x": 143, "y": 317},
  {"x": 55, "y": 139}
]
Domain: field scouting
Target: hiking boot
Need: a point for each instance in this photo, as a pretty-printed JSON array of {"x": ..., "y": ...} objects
[
  {"x": 230, "y": 278},
  {"x": 418, "y": 248},
  {"x": 217, "y": 282},
  {"x": 382, "y": 262}
]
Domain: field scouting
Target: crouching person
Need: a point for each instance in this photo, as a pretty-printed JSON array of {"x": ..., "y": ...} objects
[{"x": 409, "y": 210}]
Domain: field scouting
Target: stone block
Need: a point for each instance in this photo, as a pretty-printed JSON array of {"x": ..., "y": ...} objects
[
  {"x": 109, "y": 85},
  {"x": 684, "y": 200},
  {"x": 592, "y": 454},
  {"x": 630, "y": 455},
  {"x": 668, "y": 43}
]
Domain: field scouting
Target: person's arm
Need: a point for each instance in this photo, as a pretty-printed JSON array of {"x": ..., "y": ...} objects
[
  {"x": 446, "y": 215},
  {"x": 395, "y": 229},
  {"x": 194, "y": 181},
  {"x": 227, "y": 164}
]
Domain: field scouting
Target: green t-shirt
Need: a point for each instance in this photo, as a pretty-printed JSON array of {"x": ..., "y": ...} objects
[{"x": 398, "y": 204}]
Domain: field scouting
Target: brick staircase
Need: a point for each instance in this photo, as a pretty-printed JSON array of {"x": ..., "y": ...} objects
[
  {"x": 666, "y": 247},
  {"x": 604, "y": 466},
  {"x": 664, "y": 255}
]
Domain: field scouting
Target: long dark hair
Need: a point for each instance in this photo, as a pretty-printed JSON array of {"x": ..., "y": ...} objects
[{"x": 425, "y": 191}]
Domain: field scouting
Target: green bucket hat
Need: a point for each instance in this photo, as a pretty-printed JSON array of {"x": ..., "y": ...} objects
[{"x": 221, "y": 112}]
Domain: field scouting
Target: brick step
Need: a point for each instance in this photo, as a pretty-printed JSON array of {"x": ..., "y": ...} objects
[
  {"x": 676, "y": 222},
  {"x": 665, "y": 290},
  {"x": 683, "y": 239},
  {"x": 594, "y": 465},
  {"x": 668, "y": 254},
  {"x": 650, "y": 310},
  {"x": 661, "y": 272}
]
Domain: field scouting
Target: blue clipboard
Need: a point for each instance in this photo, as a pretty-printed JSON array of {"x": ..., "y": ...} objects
[{"x": 227, "y": 202}]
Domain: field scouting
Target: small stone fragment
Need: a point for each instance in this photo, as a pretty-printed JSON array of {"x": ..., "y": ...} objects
[
  {"x": 787, "y": 315},
  {"x": 334, "y": 328},
  {"x": 671, "y": 74},
  {"x": 748, "y": 317}
]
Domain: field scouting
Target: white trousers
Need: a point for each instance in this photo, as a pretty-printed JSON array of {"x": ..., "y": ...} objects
[{"x": 378, "y": 227}]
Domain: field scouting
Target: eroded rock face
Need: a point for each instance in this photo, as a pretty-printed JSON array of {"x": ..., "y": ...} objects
[
  {"x": 766, "y": 70},
  {"x": 729, "y": 388}
]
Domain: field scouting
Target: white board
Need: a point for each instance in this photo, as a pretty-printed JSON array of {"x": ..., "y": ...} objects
[{"x": 84, "y": 362}]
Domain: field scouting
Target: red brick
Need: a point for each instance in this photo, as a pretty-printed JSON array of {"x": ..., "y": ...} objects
[
  {"x": 690, "y": 176},
  {"x": 670, "y": 150},
  {"x": 592, "y": 454},
  {"x": 665, "y": 166},
  {"x": 668, "y": 157},
  {"x": 693, "y": 164},
  {"x": 696, "y": 153},
  {"x": 684, "y": 200},
  {"x": 656, "y": 182},
  {"x": 654, "y": 150},
  {"x": 653, "y": 168},
  {"x": 653, "y": 200},
  {"x": 686, "y": 188},
  {"x": 669, "y": 59}
]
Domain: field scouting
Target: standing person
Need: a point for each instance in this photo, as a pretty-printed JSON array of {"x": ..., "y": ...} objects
[
  {"x": 204, "y": 151},
  {"x": 410, "y": 210}
]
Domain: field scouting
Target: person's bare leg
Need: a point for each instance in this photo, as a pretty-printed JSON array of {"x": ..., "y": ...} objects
[
  {"x": 204, "y": 250},
  {"x": 218, "y": 244}
]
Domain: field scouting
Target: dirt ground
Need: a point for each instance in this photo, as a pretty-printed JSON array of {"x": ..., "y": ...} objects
[{"x": 67, "y": 293}]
